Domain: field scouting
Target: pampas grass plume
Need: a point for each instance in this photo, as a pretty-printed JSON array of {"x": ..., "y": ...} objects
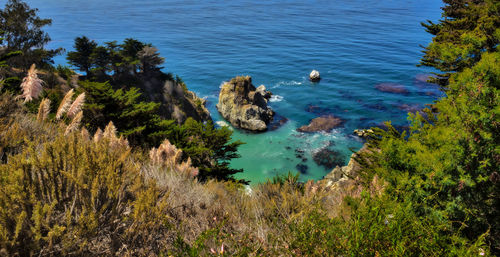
[
  {"x": 65, "y": 103},
  {"x": 75, "y": 123},
  {"x": 31, "y": 85},
  {"x": 76, "y": 106},
  {"x": 110, "y": 131},
  {"x": 97, "y": 135},
  {"x": 43, "y": 110}
]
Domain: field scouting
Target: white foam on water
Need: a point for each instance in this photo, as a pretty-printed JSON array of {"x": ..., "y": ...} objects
[
  {"x": 222, "y": 84},
  {"x": 222, "y": 123},
  {"x": 276, "y": 98},
  {"x": 288, "y": 83},
  {"x": 212, "y": 96}
]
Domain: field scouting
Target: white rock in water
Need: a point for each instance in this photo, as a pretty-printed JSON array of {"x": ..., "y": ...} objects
[{"x": 314, "y": 76}]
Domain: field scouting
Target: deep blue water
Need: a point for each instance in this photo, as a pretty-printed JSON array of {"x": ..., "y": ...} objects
[{"x": 355, "y": 44}]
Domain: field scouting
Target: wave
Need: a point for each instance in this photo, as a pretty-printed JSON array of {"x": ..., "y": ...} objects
[
  {"x": 222, "y": 84},
  {"x": 276, "y": 98},
  {"x": 288, "y": 83}
]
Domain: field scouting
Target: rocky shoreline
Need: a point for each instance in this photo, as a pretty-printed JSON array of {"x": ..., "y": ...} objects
[{"x": 341, "y": 176}]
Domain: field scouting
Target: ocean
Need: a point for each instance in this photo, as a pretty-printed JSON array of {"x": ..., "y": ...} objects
[{"x": 356, "y": 45}]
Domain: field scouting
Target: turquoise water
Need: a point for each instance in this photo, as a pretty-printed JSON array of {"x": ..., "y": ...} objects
[{"x": 355, "y": 44}]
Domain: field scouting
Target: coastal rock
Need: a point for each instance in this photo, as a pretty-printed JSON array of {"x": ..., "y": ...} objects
[
  {"x": 243, "y": 105},
  {"x": 340, "y": 176},
  {"x": 323, "y": 123},
  {"x": 314, "y": 76},
  {"x": 363, "y": 133},
  {"x": 179, "y": 103},
  {"x": 262, "y": 90},
  {"x": 392, "y": 88}
]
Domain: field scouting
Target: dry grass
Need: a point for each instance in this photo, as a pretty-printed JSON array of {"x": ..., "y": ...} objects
[{"x": 168, "y": 156}]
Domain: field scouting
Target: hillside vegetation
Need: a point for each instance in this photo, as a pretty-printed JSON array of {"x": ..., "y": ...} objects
[{"x": 91, "y": 168}]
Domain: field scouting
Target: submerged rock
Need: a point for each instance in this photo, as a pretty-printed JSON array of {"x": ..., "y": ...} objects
[
  {"x": 299, "y": 153},
  {"x": 392, "y": 88},
  {"x": 323, "y": 123},
  {"x": 413, "y": 108},
  {"x": 328, "y": 158},
  {"x": 244, "y": 106},
  {"x": 314, "y": 76},
  {"x": 422, "y": 80},
  {"x": 321, "y": 111},
  {"x": 302, "y": 168},
  {"x": 277, "y": 122}
]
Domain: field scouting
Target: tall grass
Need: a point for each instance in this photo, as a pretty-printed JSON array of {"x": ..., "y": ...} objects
[
  {"x": 65, "y": 104},
  {"x": 31, "y": 85}
]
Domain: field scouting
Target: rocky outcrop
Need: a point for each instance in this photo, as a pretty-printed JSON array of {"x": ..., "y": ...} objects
[
  {"x": 340, "y": 176},
  {"x": 323, "y": 123},
  {"x": 183, "y": 103},
  {"x": 314, "y": 76},
  {"x": 245, "y": 106},
  {"x": 363, "y": 133},
  {"x": 176, "y": 101}
]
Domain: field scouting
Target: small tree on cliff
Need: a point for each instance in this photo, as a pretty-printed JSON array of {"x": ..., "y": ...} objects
[{"x": 81, "y": 57}]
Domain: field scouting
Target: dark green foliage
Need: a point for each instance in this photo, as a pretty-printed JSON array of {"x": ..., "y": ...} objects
[
  {"x": 134, "y": 119},
  {"x": 64, "y": 72},
  {"x": 468, "y": 29},
  {"x": 81, "y": 57},
  {"x": 447, "y": 165},
  {"x": 377, "y": 227},
  {"x": 21, "y": 29},
  {"x": 8, "y": 82},
  {"x": 150, "y": 59},
  {"x": 209, "y": 148},
  {"x": 117, "y": 63}
]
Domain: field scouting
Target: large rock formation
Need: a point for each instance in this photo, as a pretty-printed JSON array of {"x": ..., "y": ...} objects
[{"x": 245, "y": 106}]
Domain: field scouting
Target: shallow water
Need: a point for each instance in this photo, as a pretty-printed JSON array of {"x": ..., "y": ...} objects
[{"x": 355, "y": 44}]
